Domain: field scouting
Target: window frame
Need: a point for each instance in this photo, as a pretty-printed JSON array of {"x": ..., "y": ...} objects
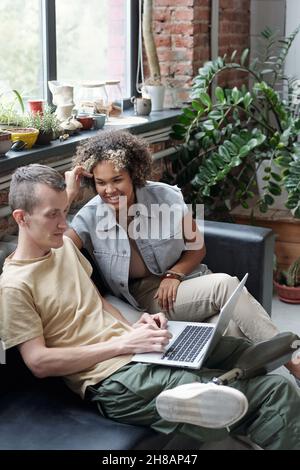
[{"x": 48, "y": 12}]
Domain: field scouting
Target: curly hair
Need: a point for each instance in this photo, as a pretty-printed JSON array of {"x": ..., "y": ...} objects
[{"x": 126, "y": 151}]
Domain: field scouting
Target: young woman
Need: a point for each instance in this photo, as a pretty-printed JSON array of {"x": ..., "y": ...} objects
[{"x": 144, "y": 240}]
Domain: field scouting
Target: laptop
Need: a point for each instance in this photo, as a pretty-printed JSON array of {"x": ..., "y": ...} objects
[{"x": 192, "y": 342}]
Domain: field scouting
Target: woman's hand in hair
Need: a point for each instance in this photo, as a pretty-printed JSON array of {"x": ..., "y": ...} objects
[{"x": 73, "y": 178}]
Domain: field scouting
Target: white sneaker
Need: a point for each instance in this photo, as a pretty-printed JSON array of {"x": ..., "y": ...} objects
[{"x": 207, "y": 405}]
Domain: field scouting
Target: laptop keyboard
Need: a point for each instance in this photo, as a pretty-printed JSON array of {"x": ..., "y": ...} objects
[{"x": 188, "y": 344}]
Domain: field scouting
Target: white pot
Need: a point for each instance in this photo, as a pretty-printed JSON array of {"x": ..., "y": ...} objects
[
  {"x": 157, "y": 95},
  {"x": 64, "y": 112}
]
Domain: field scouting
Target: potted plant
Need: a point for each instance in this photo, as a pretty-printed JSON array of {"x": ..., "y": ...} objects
[
  {"x": 223, "y": 140},
  {"x": 9, "y": 116},
  {"x": 153, "y": 87},
  {"x": 287, "y": 283},
  {"x": 47, "y": 123},
  {"x": 5, "y": 142}
]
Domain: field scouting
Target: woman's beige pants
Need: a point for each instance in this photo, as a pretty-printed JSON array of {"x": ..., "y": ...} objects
[{"x": 201, "y": 298}]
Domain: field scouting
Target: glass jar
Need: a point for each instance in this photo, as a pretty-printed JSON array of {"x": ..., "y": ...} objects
[
  {"x": 92, "y": 98},
  {"x": 115, "y": 97}
]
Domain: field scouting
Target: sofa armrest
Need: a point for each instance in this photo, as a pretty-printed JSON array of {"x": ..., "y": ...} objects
[{"x": 236, "y": 249}]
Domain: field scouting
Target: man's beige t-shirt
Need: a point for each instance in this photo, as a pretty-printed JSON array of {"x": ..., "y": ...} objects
[{"x": 54, "y": 297}]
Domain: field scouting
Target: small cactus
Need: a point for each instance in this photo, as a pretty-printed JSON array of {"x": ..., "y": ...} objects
[{"x": 293, "y": 274}]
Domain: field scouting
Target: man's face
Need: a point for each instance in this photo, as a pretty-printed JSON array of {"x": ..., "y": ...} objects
[{"x": 46, "y": 224}]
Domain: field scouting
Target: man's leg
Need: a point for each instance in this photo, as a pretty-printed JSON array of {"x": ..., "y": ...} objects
[
  {"x": 273, "y": 417},
  {"x": 201, "y": 298},
  {"x": 272, "y": 421},
  {"x": 129, "y": 396}
]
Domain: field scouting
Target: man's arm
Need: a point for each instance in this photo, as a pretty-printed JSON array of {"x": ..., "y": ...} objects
[
  {"x": 157, "y": 320},
  {"x": 46, "y": 362}
]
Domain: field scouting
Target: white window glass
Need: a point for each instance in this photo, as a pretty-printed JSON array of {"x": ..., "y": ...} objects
[
  {"x": 93, "y": 41},
  {"x": 21, "y": 65}
]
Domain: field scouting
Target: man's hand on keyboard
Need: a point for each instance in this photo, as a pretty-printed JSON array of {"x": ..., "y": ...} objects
[{"x": 157, "y": 320}]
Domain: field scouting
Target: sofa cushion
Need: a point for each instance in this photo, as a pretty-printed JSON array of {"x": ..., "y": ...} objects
[{"x": 45, "y": 414}]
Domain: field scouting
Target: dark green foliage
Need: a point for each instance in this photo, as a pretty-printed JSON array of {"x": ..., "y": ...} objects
[{"x": 224, "y": 138}]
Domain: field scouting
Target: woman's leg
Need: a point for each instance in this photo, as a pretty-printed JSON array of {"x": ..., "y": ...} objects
[{"x": 201, "y": 298}]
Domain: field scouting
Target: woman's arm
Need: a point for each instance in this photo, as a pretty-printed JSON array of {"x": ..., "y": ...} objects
[
  {"x": 188, "y": 261},
  {"x": 196, "y": 251},
  {"x": 72, "y": 179},
  {"x": 74, "y": 237},
  {"x": 108, "y": 307}
]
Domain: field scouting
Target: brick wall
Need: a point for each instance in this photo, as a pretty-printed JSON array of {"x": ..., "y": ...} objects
[
  {"x": 182, "y": 35},
  {"x": 234, "y": 34}
]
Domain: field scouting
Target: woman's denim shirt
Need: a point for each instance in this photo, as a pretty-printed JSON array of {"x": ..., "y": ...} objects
[{"x": 156, "y": 227}]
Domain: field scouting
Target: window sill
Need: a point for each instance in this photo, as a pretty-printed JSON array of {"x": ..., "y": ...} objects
[{"x": 155, "y": 121}]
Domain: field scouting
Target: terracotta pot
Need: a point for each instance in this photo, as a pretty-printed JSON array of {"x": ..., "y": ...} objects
[
  {"x": 36, "y": 106},
  {"x": 86, "y": 121},
  {"x": 291, "y": 295}
]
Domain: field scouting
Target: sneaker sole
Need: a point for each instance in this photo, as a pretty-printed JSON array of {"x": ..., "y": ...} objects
[{"x": 206, "y": 405}]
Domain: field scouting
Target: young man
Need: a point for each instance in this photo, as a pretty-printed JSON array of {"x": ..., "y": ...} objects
[{"x": 52, "y": 311}]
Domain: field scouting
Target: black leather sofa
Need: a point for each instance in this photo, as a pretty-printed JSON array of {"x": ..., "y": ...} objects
[{"x": 45, "y": 414}]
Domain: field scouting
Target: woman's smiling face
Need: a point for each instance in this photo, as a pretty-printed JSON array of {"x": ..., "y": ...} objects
[{"x": 111, "y": 183}]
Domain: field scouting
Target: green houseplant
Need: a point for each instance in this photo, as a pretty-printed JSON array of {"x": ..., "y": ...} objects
[
  {"x": 47, "y": 123},
  {"x": 224, "y": 139},
  {"x": 9, "y": 116},
  {"x": 287, "y": 283}
]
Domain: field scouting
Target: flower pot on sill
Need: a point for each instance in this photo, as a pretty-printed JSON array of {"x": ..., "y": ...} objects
[
  {"x": 291, "y": 295},
  {"x": 157, "y": 95},
  {"x": 5, "y": 142},
  {"x": 26, "y": 134},
  {"x": 44, "y": 138}
]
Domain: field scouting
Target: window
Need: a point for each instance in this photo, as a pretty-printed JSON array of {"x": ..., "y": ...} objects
[
  {"x": 21, "y": 61},
  {"x": 92, "y": 44},
  {"x": 82, "y": 41}
]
